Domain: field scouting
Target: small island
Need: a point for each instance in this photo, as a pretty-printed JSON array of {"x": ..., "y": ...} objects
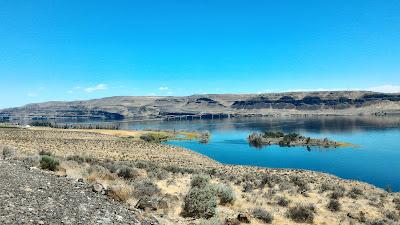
[{"x": 290, "y": 140}]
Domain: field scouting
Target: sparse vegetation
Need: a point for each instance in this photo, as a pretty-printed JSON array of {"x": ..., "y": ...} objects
[
  {"x": 48, "y": 163},
  {"x": 156, "y": 185},
  {"x": 262, "y": 215}
]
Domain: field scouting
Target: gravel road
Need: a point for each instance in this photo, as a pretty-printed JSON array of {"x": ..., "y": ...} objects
[{"x": 30, "y": 196}]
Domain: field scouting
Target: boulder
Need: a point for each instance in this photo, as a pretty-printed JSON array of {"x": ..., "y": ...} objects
[
  {"x": 98, "y": 188},
  {"x": 244, "y": 217}
]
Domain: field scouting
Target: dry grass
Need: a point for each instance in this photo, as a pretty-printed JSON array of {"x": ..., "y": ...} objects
[{"x": 269, "y": 185}]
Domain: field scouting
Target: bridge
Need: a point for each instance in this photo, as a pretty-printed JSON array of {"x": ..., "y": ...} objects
[{"x": 200, "y": 116}]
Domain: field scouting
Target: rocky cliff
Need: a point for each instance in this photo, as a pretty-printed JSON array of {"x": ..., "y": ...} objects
[{"x": 215, "y": 106}]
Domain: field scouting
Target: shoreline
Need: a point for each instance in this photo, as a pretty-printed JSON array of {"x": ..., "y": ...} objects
[
  {"x": 134, "y": 134},
  {"x": 119, "y": 167}
]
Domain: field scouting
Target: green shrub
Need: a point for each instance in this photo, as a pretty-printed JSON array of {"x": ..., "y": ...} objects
[
  {"x": 301, "y": 213},
  {"x": 282, "y": 201},
  {"x": 269, "y": 180},
  {"x": 204, "y": 137},
  {"x": 355, "y": 192},
  {"x": 8, "y": 152},
  {"x": 269, "y": 134},
  {"x": 391, "y": 215},
  {"x": 145, "y": 188},
  {"x": 256, "y": 140},
  {"x": 211, "y": 221},
  {"x": 300, "y": 183},
  {"x": 339, "y": 193},
  {"x": 225, "y": 194},
  {"x": 248, "y": 187},
  {"x": 199, "y": 180},
  {"x": 262, "y": 215},
  {"x": 48, "y": 163},
  {"x": 396, "y": 202},
  {"x": 200, "y": 202},
  {"x": 80, "y": 159},
  {"x": 128, "y": 172},
  {"x": 334, "y": 205},
  {"x": 377, "y": 222},
  {"x": 154, "y": 137}
]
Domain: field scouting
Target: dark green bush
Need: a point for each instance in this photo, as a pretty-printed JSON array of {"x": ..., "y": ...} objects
[
  {"x": 200, "y": 202},
  {"x": 48, "y": 163},
  {"x": 262, "y": 215},
  {"x": 334, "y": 205},
  {"x": 301, "y": 213}
]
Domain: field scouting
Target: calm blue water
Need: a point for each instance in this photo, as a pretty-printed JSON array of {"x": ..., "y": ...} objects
[{"x": 375, "y": 160}]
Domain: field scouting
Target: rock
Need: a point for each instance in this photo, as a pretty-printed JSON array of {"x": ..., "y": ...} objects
[
  {"x": 232, "y": 221},
  {"x": 98, "y": 188},
  {"x": 147, "y": 203},
  {"x": 244, "y": 217}
]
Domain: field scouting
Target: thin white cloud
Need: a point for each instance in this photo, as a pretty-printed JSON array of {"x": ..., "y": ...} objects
[
  {"x": 98, "y": 87},
  {"x": 163, "y": 88},
  {"x": 32, "y": 94},
  {"x": 388, "y": 88}
]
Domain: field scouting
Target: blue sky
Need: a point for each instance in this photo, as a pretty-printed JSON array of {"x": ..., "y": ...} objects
[{"x": 69, "y": 50}]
